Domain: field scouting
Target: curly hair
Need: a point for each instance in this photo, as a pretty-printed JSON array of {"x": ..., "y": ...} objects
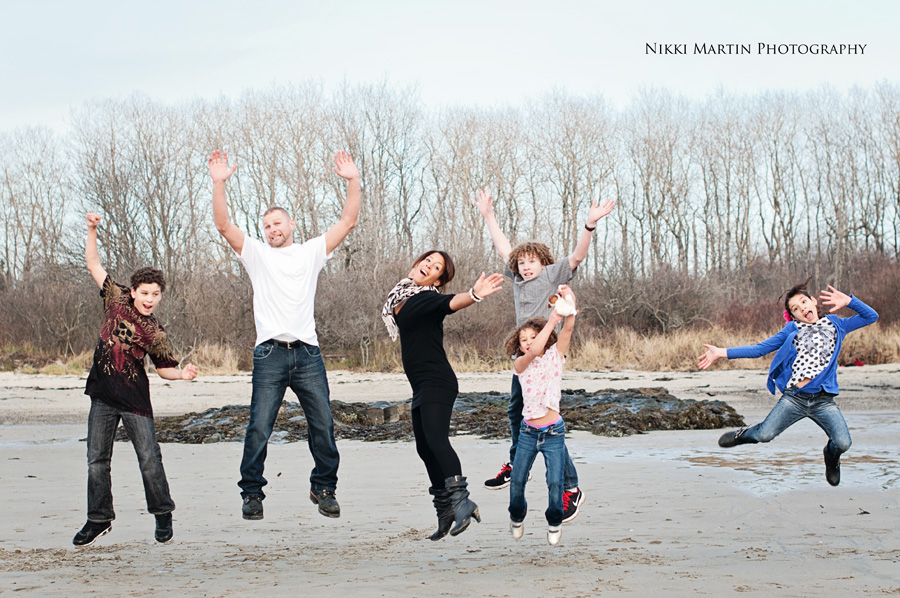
[
  {"x": 797, "y": 289},
  {"x": 513, "y": 346},
  {"x": 448, "y": 272},
  {"x": 148, "y": 276},
  {"x": 538, "y": 250}
]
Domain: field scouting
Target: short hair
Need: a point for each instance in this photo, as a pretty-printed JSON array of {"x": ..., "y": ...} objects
[
  {"x": 277, "y": 209},
  {"x": 513, "y": 347},
  {"x": 148, "y": 275},
  {"x": 447, "y": 273},
  {"x": 538, "y": 250},
  {"x": 797, "y": 289}
]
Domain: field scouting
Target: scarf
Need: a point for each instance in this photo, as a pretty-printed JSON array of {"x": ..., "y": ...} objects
[{"x": 402, "y": 291}]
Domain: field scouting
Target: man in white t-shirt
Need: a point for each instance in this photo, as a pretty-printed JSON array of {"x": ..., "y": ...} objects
[{"x": 284, "y": 275}]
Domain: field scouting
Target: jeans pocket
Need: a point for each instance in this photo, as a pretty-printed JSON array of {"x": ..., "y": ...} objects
[
  {"x": 311, "y": 350},
  {"x": 262, "y": 351}
]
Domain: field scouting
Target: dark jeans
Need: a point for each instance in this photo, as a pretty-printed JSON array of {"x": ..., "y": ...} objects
[
  {"x": 552, "y": 443},
  {"x": 102, "y": 423},
  {"x": 514, "y": 412},
  {"x": 275, "y": 368},
  {"x": 794, "y": 406}
]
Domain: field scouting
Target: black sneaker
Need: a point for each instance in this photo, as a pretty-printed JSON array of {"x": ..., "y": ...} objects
[
  {"x": 91, "y": 531},
  {"x": 164, "y": 531},
  {"x": 832, "y": 468},
  {"x": 328, "y": 504},
  {"x": 501, "y": 480},
  {"x": 733, "y": 438},
  {"x": 572, "y": 501},
  {"x": 252, "y": 508}
]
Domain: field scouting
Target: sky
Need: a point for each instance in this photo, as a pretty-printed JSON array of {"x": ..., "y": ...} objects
[{"x": 58, "y": 55}]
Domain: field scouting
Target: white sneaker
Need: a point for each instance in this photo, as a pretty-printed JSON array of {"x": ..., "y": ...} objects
[
  {"x": 517, "y": 529},
  {"x": 554, "y": 533}
]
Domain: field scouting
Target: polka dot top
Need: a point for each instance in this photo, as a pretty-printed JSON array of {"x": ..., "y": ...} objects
[{"x": 815, "y": 348}]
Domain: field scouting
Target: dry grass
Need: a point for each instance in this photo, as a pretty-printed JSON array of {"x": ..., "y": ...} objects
[
  {"x": 622, "y": 349},
  {"x": 872, "y": 345},
  {"x": 677, "y": 351},
  {"x": 214, "y": 359}
]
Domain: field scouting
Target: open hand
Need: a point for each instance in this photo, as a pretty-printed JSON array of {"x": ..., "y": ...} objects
[
  {"x": 835, "y": 298},
  {"x": 711, "y": 355},
  {"x": 488, "y": 285},
  {"x": 344, "y": 166},
  {"x": 599, "y": 210},
  {"x": 483, "y": 202},
  {"x": 218, "y": 166}
]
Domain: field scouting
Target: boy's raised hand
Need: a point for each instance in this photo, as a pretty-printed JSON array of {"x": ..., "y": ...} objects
[
  {"x": 344, "y": 166},
  {"x": 218, "y": 166},
  {"x": 599, "y": 210},
  {"x": 483, "y": 202},
  {"x": 834, "y": 298},
  {"x": 93, "y": 220}
]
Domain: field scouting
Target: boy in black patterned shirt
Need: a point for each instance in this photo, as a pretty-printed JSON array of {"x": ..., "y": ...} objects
[{"x": 119, "y": 390}]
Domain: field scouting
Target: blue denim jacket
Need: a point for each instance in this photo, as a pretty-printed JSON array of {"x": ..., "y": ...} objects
[{"x": 783, "y": 362}]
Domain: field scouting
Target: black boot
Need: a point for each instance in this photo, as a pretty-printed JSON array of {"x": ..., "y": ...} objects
[
  {"x": 463, "y": 508},
  {"x": 444, "y": 509},
  {"x": 734, "y": 438},
  {"x": 832, "y": 466}
]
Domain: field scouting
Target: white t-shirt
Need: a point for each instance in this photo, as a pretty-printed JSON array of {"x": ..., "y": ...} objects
[{"x": 284, "y": 288}]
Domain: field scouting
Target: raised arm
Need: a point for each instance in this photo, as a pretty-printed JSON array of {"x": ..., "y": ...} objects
[
  {"x": 220, "y": 172},
  {"x": 91, "y": 254},
  {"x": 484, "y": 286},
  {"x": 565, "y": 335},
  {"x": 865, "y": 315},
  {"x": 539, "y": 343},
  {"x": 501, "y": 243},
  {"x": 595, "y": 213},
  {"x": 346, "y": 169}
]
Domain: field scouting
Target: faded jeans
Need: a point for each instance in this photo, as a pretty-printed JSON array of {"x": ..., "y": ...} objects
[
  {"x": 514, "y": 413},
  {"x": 793, "y": 406},
  {"x": 102, "y": 423},
  {"x": 552, "y": 443},
  {"x": 276, "y": 368}
]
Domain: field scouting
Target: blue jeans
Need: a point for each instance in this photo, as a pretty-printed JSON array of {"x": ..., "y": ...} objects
[
  {"x": 102, "y": 423},
  {"x": 793, "y": 406},
  {"x": 514, "y": 412},
  {"x": 552, "y": 443},
  {"x": 275, "y": 368}
]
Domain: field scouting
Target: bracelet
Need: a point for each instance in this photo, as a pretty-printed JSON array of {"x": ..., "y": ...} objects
[
  {"x": 589, "y": 229},
  {"x": 474, "y": 297}
]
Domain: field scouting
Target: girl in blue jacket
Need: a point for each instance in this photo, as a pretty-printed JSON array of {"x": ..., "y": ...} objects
[{"x": 804, "y": 370}]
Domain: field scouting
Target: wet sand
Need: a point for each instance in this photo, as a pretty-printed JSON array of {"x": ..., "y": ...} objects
[{"x": 666, "y": 512}]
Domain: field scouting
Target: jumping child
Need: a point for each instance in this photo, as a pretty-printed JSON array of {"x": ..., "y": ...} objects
[
  {"x": 804, "y": 370},
  {"x": 120, "y": 391},
  {"x": 536, "y": 276},
  {"x": 539, "y": 356}
]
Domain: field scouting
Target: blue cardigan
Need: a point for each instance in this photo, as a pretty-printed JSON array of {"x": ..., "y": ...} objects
[{"x": 782, "y": 365}]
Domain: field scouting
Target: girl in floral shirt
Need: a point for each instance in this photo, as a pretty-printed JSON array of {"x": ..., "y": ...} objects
[{"x": 539, "y": 356}]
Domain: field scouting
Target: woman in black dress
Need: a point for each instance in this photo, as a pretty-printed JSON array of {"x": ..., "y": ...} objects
[{"x": 415, "y": 310}]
